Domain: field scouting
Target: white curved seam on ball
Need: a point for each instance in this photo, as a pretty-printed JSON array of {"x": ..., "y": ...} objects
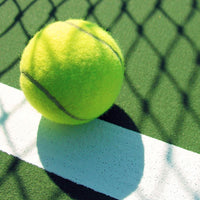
[{"x": 50, "y": 96}]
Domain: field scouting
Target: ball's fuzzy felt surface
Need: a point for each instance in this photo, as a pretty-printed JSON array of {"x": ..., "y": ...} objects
[{"x": 71, "y": 71}]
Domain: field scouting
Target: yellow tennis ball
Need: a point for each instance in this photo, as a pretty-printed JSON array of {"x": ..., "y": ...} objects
[{"x": 71, "y": 71}]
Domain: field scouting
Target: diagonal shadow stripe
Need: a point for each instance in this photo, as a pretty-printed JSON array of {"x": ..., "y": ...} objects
[{"x": 97, "y": 38}]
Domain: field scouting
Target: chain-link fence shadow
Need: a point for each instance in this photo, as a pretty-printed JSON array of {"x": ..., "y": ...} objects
[{"x": 161, "y": 45}]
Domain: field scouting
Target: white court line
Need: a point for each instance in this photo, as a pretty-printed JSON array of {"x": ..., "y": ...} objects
[{"x": 99, "y": 155}]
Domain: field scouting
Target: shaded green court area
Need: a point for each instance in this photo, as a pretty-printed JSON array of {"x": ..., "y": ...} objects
[{"x": 160, "y": 41}]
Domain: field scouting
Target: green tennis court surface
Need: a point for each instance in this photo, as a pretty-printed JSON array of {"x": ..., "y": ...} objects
[{"x": 160, "y": 96}]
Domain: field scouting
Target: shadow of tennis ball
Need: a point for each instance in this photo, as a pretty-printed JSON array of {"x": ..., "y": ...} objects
[
  {"x": 99, "y": 155},
  {"x": 116, "y": 115}
]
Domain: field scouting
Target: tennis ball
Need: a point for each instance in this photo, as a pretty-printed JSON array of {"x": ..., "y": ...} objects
[{"x": 71, "y": 71}]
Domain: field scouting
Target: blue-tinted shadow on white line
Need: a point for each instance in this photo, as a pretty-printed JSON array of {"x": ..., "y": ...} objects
[{"x": 95, "y": 154}]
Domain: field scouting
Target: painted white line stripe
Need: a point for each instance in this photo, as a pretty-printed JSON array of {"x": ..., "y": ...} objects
[{"x": 105, "y": 157}]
